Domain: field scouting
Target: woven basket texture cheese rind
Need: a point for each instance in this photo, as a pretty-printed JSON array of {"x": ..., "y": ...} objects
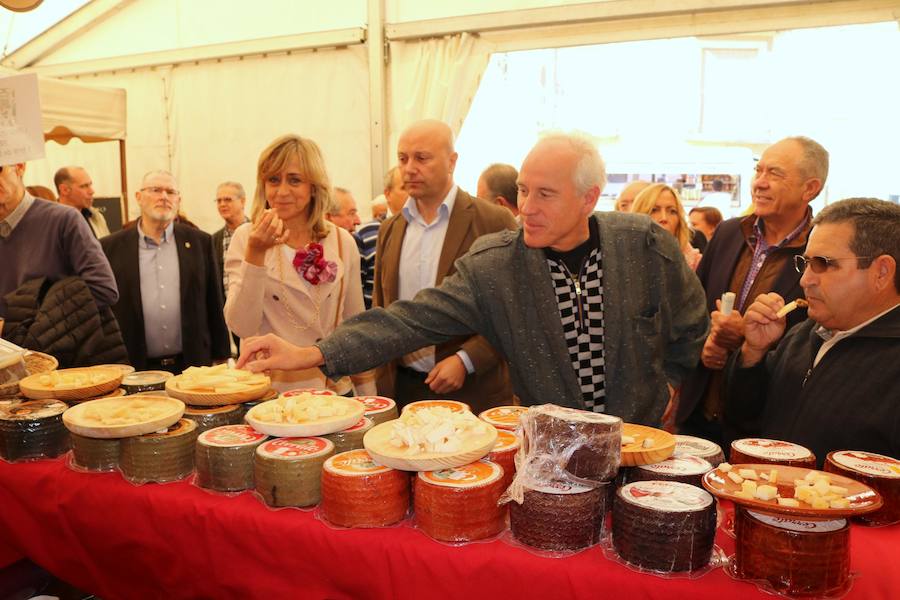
[
  {"x": 94, "y": 454},
  {"x": 290, "y": 482},
  {"x": 159, "y": 457},
  {"x": 559, "y": 522}
]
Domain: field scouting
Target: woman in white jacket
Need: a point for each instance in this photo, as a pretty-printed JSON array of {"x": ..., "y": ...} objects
[{"x": 290, "y": 271}]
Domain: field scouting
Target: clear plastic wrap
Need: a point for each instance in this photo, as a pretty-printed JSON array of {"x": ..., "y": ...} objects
[
  {"x": 288, "y": 471},
  {"x": 33, "y": 430},
  {"x": 881, "y": 473},
  {"x": 350, "y": 438},
  {"x": 559, "y": 518},
  {"x": 93, "y": 454},
  {"x": 224, "y": 457},
  {"x": 159, "y": 457},
  {"x": 356, "y": 492}
]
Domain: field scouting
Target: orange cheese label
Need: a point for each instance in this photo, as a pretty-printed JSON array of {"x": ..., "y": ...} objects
[
  {"x": 506, "y": 440},
  {"x": 363, "y": 423},
  {"x": 451, "y": 404},
  {"x": 868, "y": 463},
  {"x": 376, "y": 404},
  {"x": 771, "y": 449},
  {"x": 231, "y": 435},
  {"x": 300, "y": 391},
  {"x": 475, "y": 474},
  {"x": 354, "y": 462},
  {"x": 299, "y": 447},
  {"x": 506, "y": 417}
]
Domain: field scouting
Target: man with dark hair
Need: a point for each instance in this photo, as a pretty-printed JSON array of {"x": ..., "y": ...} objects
[
  {"x": 833, "y": 382},
  {"x": 497, "y": 184},
  {"x": 705, "y": 219},
  {"x": 75, "y": 189},
  {"x": 749, "y": 256}
]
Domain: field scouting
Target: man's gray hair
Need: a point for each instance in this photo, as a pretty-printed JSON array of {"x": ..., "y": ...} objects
[
  {"x": 156, "y": 172},
  {"x": 233, "y": 184},
  {"x": 389, "y": 178},
  {"x": 815, "y": 158},
  {"x": 590, "y": 170},
  {"x": 334, "y": 206}
]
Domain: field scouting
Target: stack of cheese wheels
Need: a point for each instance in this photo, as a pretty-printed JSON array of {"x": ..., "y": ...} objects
[
  {"x": 162, "y": 456},
  {"x": 796, "y": 557},
  {"x": 459, "y": 504},
  {"x": 33, "y": 430},
  {"x": 504, "y": 454},
  {"x": 356, "y": 492},
  {"x": 705, "y": 449},
  {"x": 596, "y": 438},
  {"x": 145, "y": 381},
  {"x": 379, "y": 408},
  {"x": 772, "y": 452},
  {"x": 454, "y": 405},
  {"x": 352, "y": 437},
  {"x": 559, "y": 516},
  {"x": 664, "y": 526},
  {"x": 288, "y": 471},
  {"x": 224, "y": 457},
  {"x": 210, "y": 417},
  {"x": 881, "y": 473},
  {"x": 95, "y": 454},
  {"x": 504, "y": 417},
  {"x": 682, "y": 468}
]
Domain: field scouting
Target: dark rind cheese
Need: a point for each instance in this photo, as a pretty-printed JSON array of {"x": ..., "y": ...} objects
[
  {"x": 31, "y": 430},
  {"x": 808, "y": 558},
  {"x": 664, "y": 526},
  {"x": 95, "y": 454},
  {"x": 145, "y": 381},
  {"x": 356, "y": 492},
  {"x": 288, "y": 471},
  {"x": 705, "y": 449},
  {"x": 592, "y": 440},
  {"x": 159, "y": 457},
  {"x": 559, "y": 516},
  {"x": 771, "y": 452},
  {"x": 352, "y": 437},
  {"x": 224, "y": 457},
  {"x": 685, "y": 469},
  {"x": 210, "y": 417},
  {"x": 879, "y": 472}
]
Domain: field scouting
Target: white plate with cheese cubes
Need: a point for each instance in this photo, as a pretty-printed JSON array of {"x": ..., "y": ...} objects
[
  {"x": 71, "y": 384},
  {"x": 126, "y": 416},
  {"x": 305, "y": 415},
  {"x": 217, "y": 386},
  {"x": 793, "y": 491}
]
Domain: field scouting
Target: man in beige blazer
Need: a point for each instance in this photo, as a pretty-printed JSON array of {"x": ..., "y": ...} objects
[{"x": 416, "y": 249}]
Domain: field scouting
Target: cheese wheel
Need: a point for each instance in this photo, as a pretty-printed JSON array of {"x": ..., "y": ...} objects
[
  {"x": 161, "y": 456},
  {"x": 705, "y": 449},
  {"x": 460, "y": 504},
  {"x": 772, "y": 452},
  {"x": 210, "y": 417},
  {"x": 224, "y": 457},
  {"x": 504, "y": 417},
  {"x": 288, "y": 471},
  {"x": 379, "y": 408},
  {"x": 795, "y": 557},
  {"x": 682, "y": 468},
  {"x": 352, "y": 437},
  {"x": 301, "y": 391},
  {"x": 504, "y": 454},
  {"x": 94, "y": 454},
  {"x": 559, "y": 516},
  {"x": 30, "y": 430},
  {"x": 356, "y": 492},
  {"x": 592, "y": 441},
  {"x": 125, "y": 369},
  {"x": 453, "y": 405},
  {"x": 882, "y": 473},
  {"x": 145, "y": 381},
  {"x": 12, "y": 369},
  {"x": 664, "y": 526}
]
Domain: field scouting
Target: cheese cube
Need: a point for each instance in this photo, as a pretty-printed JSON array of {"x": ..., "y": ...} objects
[
  {"x": 773, "y": 476},
  {"x": 747, "y": 473},
  {"x": 819, "y": 503},
  {"x": 724, "y": 467},
  {"x": 749, "y": 487},
  {"x": 735, "y": 477},
  {"x": 839, "y": 503},
  {"x": 766, "y": 492},
  {"x": 836, "y": 489},
  {"x": 791, "y": 502}
]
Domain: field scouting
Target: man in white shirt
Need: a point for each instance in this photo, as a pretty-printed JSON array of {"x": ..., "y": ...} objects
[{"x": 75, "y": 189}]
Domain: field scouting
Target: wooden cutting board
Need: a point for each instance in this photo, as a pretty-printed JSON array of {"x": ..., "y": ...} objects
[
  {"x": 170, "y": 410},
  {"x": 377, "y": 443},
  {"x": 105, "y": 380}
]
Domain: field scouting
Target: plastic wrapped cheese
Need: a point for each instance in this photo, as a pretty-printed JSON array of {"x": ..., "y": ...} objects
[
  {"x": 95, "y": 454},
  {"x": 224, "y": 457},
  {"x": 379, "y": 408},
  {"x": 559, "y": 516},
  {"x": 356, "y": 492},
  {"x": 31, "y": 430},
  {"x": 882, "y": 473},
  {"x": 288, "y": 471},
  {"x": 774, "y": 452},
  {"x": 159, "y": 457}
]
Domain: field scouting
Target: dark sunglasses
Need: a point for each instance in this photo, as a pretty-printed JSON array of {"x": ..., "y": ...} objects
[{"x": 820, "y": 264}]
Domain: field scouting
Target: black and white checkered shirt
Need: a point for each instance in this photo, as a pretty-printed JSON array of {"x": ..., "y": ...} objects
[{"x": 580, "y": 299}]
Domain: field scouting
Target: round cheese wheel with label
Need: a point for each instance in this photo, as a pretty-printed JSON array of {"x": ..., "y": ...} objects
[
  {"x": 504, "y": 417},
  {"x": 504, "y": 454},
  {"x": 162, "y": 456},
  {"x": 95, "y": 454},
  {"x": 773, "y": 452},
  {"x": 31, "y": 430},
  {"x": 288, "y": 471},
  {"x": 352, "y": 437},
  {"x": 210, "y": 417},
  {"x": 882, "y": 473},
  {"x": 683, "y": 468},
  {"x": 559, "y": 516},
  {"x": 357, "y": 492},
  {"x": 591, "y": 441},
  {"x": 695, "y": 446},
  {"x": 224, "y": 457},
  {"x": 379, "y": 408}
]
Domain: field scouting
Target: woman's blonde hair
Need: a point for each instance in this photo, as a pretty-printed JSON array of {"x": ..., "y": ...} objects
[
  {"x": 275, "y": 158},
  {"x": 646, "y": 200}
]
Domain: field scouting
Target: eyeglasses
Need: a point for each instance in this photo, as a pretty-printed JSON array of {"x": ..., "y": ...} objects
[
  {"x": 820, "y": 264},
  {"x": 158, "y": 191}
]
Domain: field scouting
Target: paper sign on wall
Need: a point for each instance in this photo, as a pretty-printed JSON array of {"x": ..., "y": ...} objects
[{"x": 21, "y": 137}]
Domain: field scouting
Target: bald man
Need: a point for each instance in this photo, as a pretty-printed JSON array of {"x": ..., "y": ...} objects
[
  {"x": 75, "y": 189},
  {"x": 416, "y": 249}
]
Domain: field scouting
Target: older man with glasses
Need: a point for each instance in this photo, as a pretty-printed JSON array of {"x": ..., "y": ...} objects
[
  {"x": 833, "y": 382},
  {"x": 170, "y": 304}
]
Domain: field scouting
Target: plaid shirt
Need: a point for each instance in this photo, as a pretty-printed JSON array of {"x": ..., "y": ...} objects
[{"x": 226, "y": 241}]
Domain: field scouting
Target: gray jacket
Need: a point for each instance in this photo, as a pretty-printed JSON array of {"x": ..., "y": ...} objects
[{"x": 654, "y": 315}]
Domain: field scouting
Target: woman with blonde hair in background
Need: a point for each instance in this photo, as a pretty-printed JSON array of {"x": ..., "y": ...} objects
[
  {"x": 663, "y": 204},
  {"x": 290, "y": 271}
]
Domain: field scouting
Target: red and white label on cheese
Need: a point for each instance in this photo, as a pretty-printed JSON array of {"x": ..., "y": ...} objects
[
  {"x": 210, "y": 410},
  {"x": 771, "y": 449},
  {"x": 685, "y": 464},
  {"x": 666, "y": 496},
  {"x": 798, "y": 525},
  {"x": 688, "y": 444},
  {"x": 376, "y": 404},
  {"x": 33, "y": 410},
  {"x": 293, "y": 448},
  {"x": 300, "y": 391},
  {"x": 476, "y": 474},
  {"x": 231, "y": 436},
  {"x": 453, "y": 405},
  {"x": 504, "y": 417},
  {"x": 506, "y": 441},
  {"x": 868, "y": 463},
  {"x": 560, "y": 487},
  {"x": 363, "y": 423},
  {"x": 354, "y": 463}
]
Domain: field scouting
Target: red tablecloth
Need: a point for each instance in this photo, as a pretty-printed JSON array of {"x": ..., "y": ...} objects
[{"x": 118, "y": 540}]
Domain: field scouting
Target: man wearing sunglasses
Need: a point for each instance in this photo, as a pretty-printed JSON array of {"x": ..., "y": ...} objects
[
  {"x": 833, "y": 382},
  {"x": 749, "y": 256}
]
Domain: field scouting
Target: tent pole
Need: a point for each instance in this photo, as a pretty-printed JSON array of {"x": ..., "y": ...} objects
[
  {"x": 375, "y": 43},
  {"x": 124, "y": 180}
]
